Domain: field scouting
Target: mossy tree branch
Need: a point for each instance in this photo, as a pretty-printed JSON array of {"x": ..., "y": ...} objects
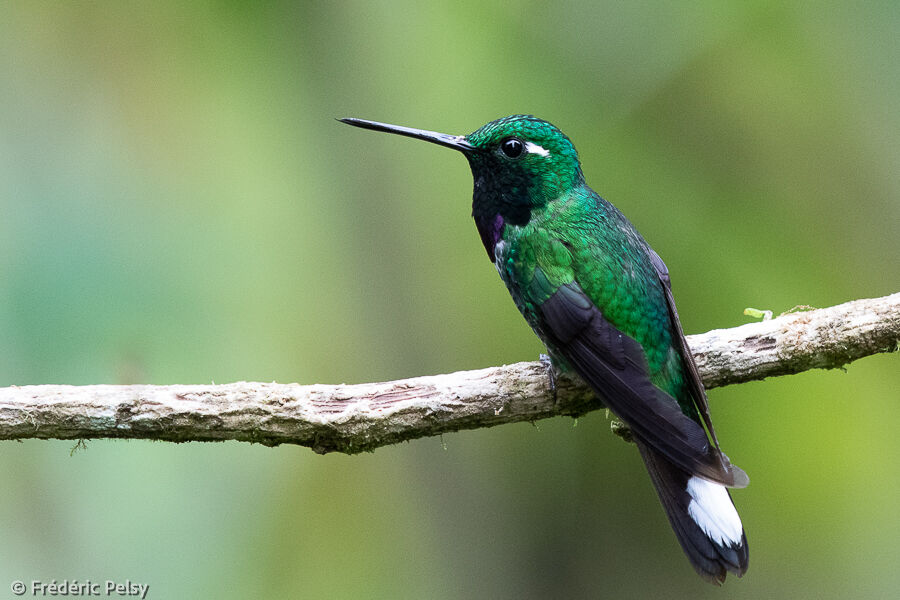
[{"x": 355, "y": 418}]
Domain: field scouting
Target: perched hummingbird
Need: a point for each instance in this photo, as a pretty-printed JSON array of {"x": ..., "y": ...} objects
[{"x": 600, "y": 299}]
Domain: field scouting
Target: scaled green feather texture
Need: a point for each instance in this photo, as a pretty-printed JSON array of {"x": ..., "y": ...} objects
[{"x": 559, "y": 246}]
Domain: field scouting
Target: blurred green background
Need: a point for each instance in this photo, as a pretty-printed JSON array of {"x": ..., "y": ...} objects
[{"x": 177, "y": 205}]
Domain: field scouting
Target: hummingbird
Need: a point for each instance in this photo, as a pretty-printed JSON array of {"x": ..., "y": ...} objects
[{"x": 600, "y": 299}]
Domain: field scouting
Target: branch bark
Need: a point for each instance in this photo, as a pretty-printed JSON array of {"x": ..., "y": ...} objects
[{"x": 362, "y": 417}]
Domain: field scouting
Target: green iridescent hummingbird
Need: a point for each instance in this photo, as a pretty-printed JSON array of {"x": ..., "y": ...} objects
[{"x": 600, "y": 299}]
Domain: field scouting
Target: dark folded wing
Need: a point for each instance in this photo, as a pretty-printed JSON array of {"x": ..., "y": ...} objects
[
  {"x": 615, "y": 366},
  {"x": 696, "y": 384}
]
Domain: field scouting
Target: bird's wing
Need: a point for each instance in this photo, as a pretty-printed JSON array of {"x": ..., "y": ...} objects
[
  {"x": 615, "y": 366},
  {"x": 696, "y": 384}
]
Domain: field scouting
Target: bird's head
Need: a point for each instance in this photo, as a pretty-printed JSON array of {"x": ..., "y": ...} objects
[{"x": 518, "y": 162}]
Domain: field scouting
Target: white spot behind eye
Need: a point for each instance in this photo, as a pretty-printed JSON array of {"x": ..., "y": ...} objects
[{"x": 533, "y": 148}]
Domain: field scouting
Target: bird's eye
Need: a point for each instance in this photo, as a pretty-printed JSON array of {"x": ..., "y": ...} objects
[{"x": 512, "y": 147}]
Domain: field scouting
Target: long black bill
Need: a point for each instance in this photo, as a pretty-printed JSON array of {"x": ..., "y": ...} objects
[{"x": 457, "y": 142}]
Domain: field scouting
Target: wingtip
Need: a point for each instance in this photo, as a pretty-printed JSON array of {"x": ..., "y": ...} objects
[
  {"x": 741, "y": 479},
  {"x": 738, "y": 478}
]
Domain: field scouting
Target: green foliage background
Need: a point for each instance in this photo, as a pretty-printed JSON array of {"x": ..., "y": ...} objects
[{"x": 177, "y": 205}]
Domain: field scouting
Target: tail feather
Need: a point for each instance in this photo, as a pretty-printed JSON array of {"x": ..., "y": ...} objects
[{"x": 703, "y": 516}]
